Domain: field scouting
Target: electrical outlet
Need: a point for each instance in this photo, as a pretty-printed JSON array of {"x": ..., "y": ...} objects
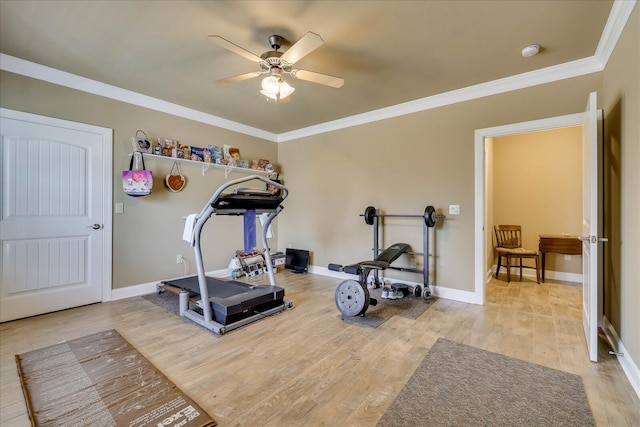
[
  {"x": 454, "y": 209},
  {"x": 179, "y": 259},
  {"x": 412, "y": 262},
  {"x": 119, "y": 207}
]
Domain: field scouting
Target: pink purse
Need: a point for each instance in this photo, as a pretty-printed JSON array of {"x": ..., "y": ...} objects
[{"x": 137, "y": 183}]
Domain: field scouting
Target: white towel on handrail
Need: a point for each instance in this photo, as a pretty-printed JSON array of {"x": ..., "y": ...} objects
[
  {"x": 189, "y": 224},
  {"x": 263, "y": 218}
]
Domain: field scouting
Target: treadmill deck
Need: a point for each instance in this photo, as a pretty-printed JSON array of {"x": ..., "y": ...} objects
[{"x": 230, "y": 300}]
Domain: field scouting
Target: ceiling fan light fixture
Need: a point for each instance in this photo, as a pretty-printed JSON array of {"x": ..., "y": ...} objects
[
  {"x": 273, "y": 96},
  {"x": 277, "y": 64},
  {"x": 276, "y": 88},
  {"x": 285, "y": 90},
  {"x": 271, "y": 85}
]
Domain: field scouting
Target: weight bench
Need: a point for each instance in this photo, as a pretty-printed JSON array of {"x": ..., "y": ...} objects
[
  {"x": 352, "y": 297},
  {"x": 382, "y": 261}
]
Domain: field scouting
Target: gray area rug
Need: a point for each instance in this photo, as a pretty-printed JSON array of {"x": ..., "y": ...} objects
[
  {"x": 458, "y": 385},
  {"x": 171, "y": 303},
  {"x": 409, "y": 307}
]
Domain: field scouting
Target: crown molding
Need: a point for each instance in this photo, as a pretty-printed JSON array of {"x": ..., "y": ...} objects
[
  {"x": 532, "y": 78},
  {"x": 62, "y": 78},
  {"x": 620, "y": 12}
]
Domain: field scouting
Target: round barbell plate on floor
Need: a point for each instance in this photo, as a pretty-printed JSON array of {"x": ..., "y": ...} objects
[
  {"x": 417, "y": 291},
  {"x": 352, "y": 299},
  {"x": 426, "y": 293},
  {"x": 430, "y": 216},
  {"x": 369, "y": 214}
]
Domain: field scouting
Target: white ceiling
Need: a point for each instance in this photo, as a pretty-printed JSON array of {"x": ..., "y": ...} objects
[{"x": 388, "y": 52}]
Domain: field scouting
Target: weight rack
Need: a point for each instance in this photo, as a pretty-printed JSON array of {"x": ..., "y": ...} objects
[{"x": 372, "y": 217}]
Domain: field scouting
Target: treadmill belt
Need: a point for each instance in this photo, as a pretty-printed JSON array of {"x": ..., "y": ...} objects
[{"x": 232, "y": 300}]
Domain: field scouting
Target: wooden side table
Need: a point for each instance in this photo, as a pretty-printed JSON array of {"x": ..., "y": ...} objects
[{"x": 568, "y": 245}]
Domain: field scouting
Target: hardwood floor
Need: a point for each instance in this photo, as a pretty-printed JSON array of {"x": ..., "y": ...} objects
[{"x": 307, "y": 367}]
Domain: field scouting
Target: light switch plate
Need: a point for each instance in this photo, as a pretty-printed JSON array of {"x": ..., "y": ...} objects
[
  {"x": 454, "y": 209},
  {"x": 119, "y": 207}
]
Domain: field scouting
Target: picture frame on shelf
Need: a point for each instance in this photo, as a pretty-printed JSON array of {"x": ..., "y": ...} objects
[
  {"x": 167, "y": 146},
  {"x": 262, "y": 164},
  {"x": 141, "y": 145},
  {"x": 216, "y": 154},
  {"x": 231, "y": 154},
  {"x": 197, "y": 154}
]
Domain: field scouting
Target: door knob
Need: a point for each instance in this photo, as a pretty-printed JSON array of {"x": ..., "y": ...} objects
[{"x": 95, "y": 226}]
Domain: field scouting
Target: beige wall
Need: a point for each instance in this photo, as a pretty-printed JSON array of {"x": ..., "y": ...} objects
[
  {"x": 401, "y": 165},
  {"x": 148, "y": 235},
  {"x": 621, "y": 104},
  {"x": 538, "y": 185}
]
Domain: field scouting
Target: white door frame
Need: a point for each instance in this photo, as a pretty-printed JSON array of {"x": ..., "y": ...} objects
[
  {"x": 107, "y": 177},
  {"x": 480, "y": 235}
]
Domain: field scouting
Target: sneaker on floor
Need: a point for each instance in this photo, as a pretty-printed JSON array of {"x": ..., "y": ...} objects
[
  {"x": 399, "y": 294},
  {"x": 392, "y": 294},
  {"x": 385, "y": 293}
]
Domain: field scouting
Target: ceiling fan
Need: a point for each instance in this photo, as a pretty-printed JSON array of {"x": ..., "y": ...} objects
[{"x": 275, "y": 65}]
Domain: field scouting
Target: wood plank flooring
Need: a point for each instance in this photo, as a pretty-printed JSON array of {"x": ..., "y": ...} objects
[{"x": 306, "y": 367}]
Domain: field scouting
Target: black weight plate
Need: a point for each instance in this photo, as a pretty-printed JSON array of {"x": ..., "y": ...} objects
[
  {"x": 430, "y": 216},
  {"x": 426, "y": 293},
  {"x": 352, "y": 299},
  {"x": 369, "y": 214},
  {"x": 417, "y": 291}
]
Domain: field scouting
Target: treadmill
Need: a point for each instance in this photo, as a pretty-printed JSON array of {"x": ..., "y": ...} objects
[{"x": 222, "y": 305}]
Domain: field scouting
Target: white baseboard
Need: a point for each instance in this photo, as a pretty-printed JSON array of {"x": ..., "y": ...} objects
[
  {"x": 629, "y": 367},
  {"x": 439, "y": 291},
  {"x": 324, "y": 271},
  {"x": 152, "y": 287},
  {"x": 548, "y": 274},
  {"x": 134, "y": 291}
]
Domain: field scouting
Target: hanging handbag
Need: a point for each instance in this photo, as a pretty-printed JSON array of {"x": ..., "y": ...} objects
[
  {"x": 137, "y": 183},
  {"x": 175, "y": 182}
]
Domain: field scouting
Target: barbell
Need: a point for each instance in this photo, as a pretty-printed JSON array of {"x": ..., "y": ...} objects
[{"x": 430, "y": 216}]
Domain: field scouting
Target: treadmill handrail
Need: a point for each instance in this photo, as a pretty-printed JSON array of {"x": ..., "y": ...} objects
[{"x": 204, "y": 216}]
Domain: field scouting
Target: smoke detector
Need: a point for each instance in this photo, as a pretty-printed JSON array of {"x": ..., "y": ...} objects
[{"x": 531, "y": 50}]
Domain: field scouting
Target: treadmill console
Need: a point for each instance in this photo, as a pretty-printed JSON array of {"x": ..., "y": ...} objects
[{"x": 246, "y": 198}]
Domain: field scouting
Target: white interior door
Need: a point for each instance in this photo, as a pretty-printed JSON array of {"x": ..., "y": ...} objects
[
  {"x": 53, "y": 222},
  {"x": 591, "y": 203}
]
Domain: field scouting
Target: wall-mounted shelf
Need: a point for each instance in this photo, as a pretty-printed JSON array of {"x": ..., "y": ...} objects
[{"x": 207, "y": 166}]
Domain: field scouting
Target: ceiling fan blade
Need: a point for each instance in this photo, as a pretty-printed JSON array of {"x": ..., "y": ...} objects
[
  {"x": 234, "y": 48},
  {"x": 307, "y": 44},
  {"x": 323, "y": 79},
  {"x": 238, "y": 78}
]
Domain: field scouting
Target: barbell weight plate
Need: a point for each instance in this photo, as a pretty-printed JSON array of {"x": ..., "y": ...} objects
[
  {"x": 430, "y": 216},
  {"x": 417, "y": 291},
  {"x": 369, "y": 214},
  {"x": 352, "y": 299}
]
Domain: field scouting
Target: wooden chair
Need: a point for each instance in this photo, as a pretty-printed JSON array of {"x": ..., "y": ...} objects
[{"x": 509, "y": 245}]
